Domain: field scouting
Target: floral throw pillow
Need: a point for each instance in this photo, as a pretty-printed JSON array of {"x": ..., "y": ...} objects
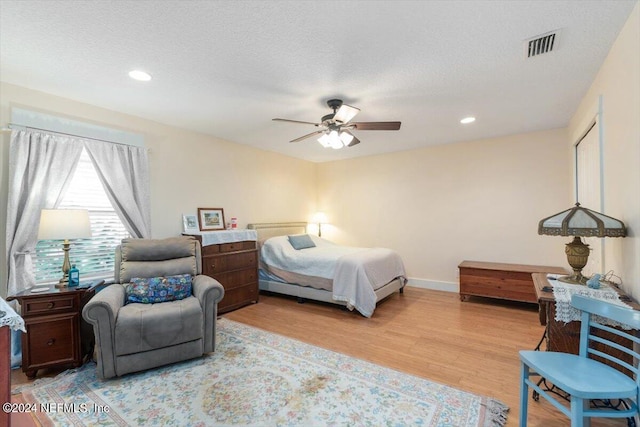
[{"x": 158, "y": 289}]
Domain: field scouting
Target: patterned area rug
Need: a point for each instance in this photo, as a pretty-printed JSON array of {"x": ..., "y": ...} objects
[{"x": 256, "y": 378}]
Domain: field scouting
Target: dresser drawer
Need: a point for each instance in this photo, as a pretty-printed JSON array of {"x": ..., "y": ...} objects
[
  {"x": 238, "y": 297},
  {"x": 234, "y": 279},
  {"x": 223, "y": 263},
  {"x": 228, "y": 247},
  {"x": 49, "y": 305}
]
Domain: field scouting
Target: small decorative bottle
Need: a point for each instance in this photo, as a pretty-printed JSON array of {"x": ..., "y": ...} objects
[{"x": 74, "y": 276}]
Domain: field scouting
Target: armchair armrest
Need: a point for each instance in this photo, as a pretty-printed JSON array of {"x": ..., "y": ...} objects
[
  {"x": 209, "y": 292},
  {"x": 101, "y": 311}
]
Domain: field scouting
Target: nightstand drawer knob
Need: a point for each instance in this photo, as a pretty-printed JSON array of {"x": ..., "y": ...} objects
[
  {"x": 213, "y": 266},
  {"x": 51, "y": 305},
  {"x": 51, "y": 341}
]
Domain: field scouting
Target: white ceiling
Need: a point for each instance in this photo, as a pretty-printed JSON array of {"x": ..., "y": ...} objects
[{"x": 226, "y": 68}]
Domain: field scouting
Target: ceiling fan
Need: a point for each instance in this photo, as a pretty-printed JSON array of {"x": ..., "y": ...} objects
[{"x": 337, "y": 126}]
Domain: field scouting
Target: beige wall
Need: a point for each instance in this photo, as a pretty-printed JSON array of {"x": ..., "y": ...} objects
[
  {"x": 188, "y": 170},
  {"x": 618, "y": 83},
  {"x": 438, "y": 206}
]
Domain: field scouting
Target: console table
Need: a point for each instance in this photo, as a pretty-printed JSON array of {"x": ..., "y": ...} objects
[
  {"x": 499, "y": 280},
  {"x": 565, "y": 337}
]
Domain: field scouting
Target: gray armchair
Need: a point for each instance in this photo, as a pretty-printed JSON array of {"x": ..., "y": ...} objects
[{"x": 135, "y": 336}]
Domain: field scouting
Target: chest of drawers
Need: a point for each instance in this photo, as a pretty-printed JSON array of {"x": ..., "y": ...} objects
[{"x": 235, "y": 266}]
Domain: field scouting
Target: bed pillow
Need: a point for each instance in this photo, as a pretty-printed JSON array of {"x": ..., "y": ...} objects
[
  {"x": 158, "y": 289},
  {"x": 302, "y": 241}
]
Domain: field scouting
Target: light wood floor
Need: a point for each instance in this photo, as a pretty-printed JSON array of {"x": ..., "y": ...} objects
[{"x": 469, "y": 345}]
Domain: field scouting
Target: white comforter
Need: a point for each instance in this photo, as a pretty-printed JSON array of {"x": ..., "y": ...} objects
[{"x": 356, "y": 272}]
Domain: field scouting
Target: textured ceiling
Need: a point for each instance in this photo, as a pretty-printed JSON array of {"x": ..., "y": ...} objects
[{"x": 226, "y": 68}]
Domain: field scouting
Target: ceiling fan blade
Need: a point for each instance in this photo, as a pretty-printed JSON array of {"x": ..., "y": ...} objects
[
  {"x": 354, "y": 140},
  {"x": 376, "y": 125},
  {"x": 296, "y": 121},
  {"x": 309, "y": 135},
  {"x": 345, "y": 113}
]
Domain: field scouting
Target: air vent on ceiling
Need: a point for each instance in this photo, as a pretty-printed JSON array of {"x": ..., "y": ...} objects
[{"x": 538, "y": 45}]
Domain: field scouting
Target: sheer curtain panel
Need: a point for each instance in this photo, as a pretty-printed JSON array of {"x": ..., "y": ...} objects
[
  {"x": 124, "y": 173},
  {"x": 40, "y": 166}
]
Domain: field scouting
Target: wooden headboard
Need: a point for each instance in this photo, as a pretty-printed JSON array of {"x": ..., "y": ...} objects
[{"x": 271, "y": 229}]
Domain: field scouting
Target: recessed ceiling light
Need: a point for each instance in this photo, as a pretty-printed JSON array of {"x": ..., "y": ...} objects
[
  {"x": 140, "y": 75},
  {"x": 468, "y": 120}
]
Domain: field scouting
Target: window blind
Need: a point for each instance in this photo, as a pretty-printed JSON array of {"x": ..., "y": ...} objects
[{"x": 93, "y": 257}]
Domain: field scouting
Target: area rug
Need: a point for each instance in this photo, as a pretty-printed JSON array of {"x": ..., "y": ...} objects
[{"x": 257, "y": 378}]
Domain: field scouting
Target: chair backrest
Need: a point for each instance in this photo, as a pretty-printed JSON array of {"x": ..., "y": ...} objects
[
  {"x": 157, "y": 257},
  {"x": 596, "y": 315}
]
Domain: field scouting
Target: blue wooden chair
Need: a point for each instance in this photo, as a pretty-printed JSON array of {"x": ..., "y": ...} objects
[{"x": 586, "y": 379}]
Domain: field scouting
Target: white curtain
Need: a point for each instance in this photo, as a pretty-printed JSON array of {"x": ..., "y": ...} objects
[
  {"x": 40, "y": 167},
  {"x": 124, "y": 173}
]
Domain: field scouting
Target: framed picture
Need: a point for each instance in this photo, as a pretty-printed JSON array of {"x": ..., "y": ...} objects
[
  {"x": 189, "y": 223},
  {"x": 211, "y": 219}
]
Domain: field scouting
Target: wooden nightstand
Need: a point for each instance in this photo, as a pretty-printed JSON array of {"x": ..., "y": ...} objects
[{"x": 53, "y": 320}]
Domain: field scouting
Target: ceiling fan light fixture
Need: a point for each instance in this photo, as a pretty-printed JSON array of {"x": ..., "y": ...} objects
[
  {"x": 331, "y": 139},
  {"x": 325, "y": 140}
]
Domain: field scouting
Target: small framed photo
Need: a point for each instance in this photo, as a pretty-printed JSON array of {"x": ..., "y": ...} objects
[
  {"x": 211, "y": 219},
  {"x": 189, "y": 224}
]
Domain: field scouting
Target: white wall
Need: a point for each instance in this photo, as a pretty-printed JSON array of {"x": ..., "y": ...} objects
[
  {"x": 188, "y": 170},
  {"x": 618, "y": 83},
  {"x": 438, "y": 206}
]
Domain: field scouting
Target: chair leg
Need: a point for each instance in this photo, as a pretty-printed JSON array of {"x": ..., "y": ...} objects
[
  {"x": 524, "y": 394},
  {"x": 578, "y": 407}
]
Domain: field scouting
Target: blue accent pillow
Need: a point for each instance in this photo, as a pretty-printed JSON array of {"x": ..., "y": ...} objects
[
  {"x": 302, "y": 241},
  {"x": 152, "y": 290}
]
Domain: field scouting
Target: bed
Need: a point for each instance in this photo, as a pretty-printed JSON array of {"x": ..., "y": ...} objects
[{"x": 357, "y": 278}]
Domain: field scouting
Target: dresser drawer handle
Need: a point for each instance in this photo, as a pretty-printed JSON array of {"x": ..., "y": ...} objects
[
  {"x": 51, "y": 305},
  {"x": 213, "y": 266},
  {"x": 51, "y": 341}
]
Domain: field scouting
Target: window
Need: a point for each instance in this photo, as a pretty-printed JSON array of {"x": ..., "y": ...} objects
[{"x": 93, "y": 257}]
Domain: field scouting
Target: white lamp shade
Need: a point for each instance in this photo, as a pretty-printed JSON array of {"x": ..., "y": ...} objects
[
  {"x": 320, "y": 218},
  {"x": 64, "y": 224}
]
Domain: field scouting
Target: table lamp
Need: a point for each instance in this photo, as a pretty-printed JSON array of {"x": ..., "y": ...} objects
[
  {"x": 64, "y": 224},
  {"x": 580, "y": 222},
  {"x": 320, "y": 218}
]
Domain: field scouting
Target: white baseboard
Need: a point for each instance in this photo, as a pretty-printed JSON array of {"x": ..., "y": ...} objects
[{"x": 434, "y": 285}]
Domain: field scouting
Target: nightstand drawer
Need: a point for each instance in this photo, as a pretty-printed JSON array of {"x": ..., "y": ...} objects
[
  {"x": 51, "y": 340},
  {"x": 49, "y": 305}
]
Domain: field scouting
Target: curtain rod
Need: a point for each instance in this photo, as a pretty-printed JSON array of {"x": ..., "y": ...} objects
[{"x": 66, "y": 134}]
